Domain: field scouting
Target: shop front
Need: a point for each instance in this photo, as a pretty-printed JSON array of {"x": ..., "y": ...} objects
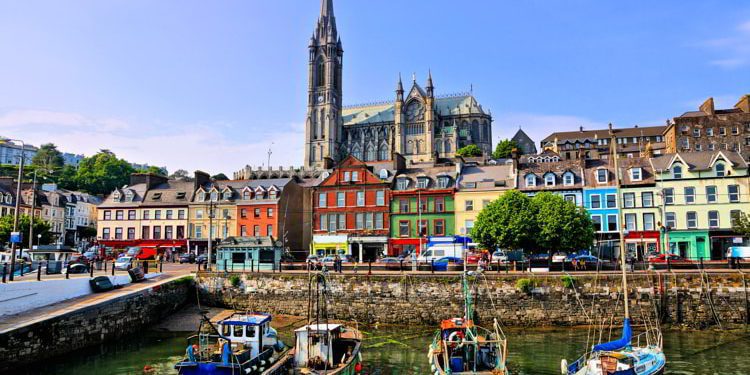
[
  {"x": 690, "y": 244},
  {"x": 368, "y": 248},
  {"x": 327, "y": 244},
  {"x": 398, "y": 246},
  {"x": 642, "y": 243},
  {"x": 721, "y": 240}
]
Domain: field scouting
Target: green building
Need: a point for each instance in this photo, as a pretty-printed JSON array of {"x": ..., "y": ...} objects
[{"x": 238, "y": 254}]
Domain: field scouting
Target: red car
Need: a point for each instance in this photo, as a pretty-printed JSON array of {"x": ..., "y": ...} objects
[{"x": 673, "y": 259}]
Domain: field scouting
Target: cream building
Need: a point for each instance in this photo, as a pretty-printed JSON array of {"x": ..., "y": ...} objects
[{"x": 478, "y": 186}]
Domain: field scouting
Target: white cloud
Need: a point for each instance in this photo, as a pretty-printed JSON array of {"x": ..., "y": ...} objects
[
  {"x": 539, "y": 126},
  {"x": 217, "y": 147},
  {"x": 734, "y": 50}
]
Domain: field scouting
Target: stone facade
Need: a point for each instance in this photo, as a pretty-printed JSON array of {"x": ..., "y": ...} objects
[{"x": 681, "y": 300}]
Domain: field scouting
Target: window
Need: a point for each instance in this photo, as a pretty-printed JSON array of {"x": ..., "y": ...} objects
[
  {"x": 670, "y": 219},
  {"x": 549, "y": 179},
  {"x": 692, "y": 220},
  {"x": 198, "y": 231},
  {"x": 180, "y": 232},
  {"x": 342, "y": 221},
  {"x": 713, "y": 219},
  {"x": 380, "y": 198},
  {"x": 269, "y": 212},
  {"x": 630, "y": 222},
  {"x": 422, "y": 229},
  {"x": 628, "y": 200},
  {"x": 722, "y": 131},
  {"x": 711, "y": 146},
  {"x": 402, "y": 184},
  {"x": 443, "y": 182},
  {"x": 323, "y": 222},
  {"x": 711, "y": 194},
  {"x": 157, "y": 214},
  {"x": 423, "y": 205},
  {"x": 368, "y": 220},
  {"x": 669, "y": 196},
  {"x": 469, "y": 205},
  {"x": 168, "y": 231},
  {"x": 438, "y": 227},
  {"x": 403, "y": 228},
  {"x": 568, "y": 179},
  {"x": 734, "y": 193},
  {"x": 243, "y": 230},
  {"x": 360, "y": 199},
  {"x": 226, "y": 195},
  {"x": 157, "y": 233},
  {"x": 733, "y": 216},
  {"x": 596, "y": 201},
  {"x": 597, "y": 221},
  {"x": 269, "y": 230},
  {"x": 246, "y": 195},
  {"x": 648, "y": 221},
  {"x": 256, "y": 230},
  {"x": 322, "y": 199},
  {"x": 214, "y": 196},
  {"x": 636, "y": 174},
  {"x": 169, "y": 214},
  {"x": 108, "y": 215},
  {"x": 145, "y": 232},
  {"x": 256, "y": 213},
  {"x": 379, "y": 220},
  {"x": 131, "y": 214},
  {"x": 347, "y": 176},
  {"x": 611, "y": 200},
  {"x": 720, "y": 169},
  {"x": 341, "y": 199},
  {"x": 689, "y": 194},
  {"x": 530, "y": 180},
  {"x": 647, "y": 199},
  {"x": 119, "y": 215},
  {"x": 355, "y": 176},
  {"x": 485, "y": 203},
  {"x": 710, "y": 132},
  {"x": 403, "y": 205},
  {"x": 439, "y": 205},
  {"x": 422, "y": 183},
  {"x": 735, "y": 130},
  {"x": 570, "y": 198},
  {"x": 698, "y": 146},
  {"x": 696, "y": 132},
  {"x": 612, "y": 223},
  {"x": 198, "y": 214},
  {"x": 677, "y": 171},
  {"x": 243, "y": 213},
  {"x": 601, "y": 176},
  {"x": 359, "y": 220},
  {"x": 181, "y": 214},
  {"x": 105, "y": 233}
]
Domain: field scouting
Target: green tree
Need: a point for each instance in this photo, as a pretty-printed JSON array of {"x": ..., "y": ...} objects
[
  {"x": 40, "y": 227},
  {"x": 469, "y": 151},
  {"x": 742, "y": 224},
  {"x": 180, "y": 174},
  {"x": 561, "y": 225},
  {"x": 219, "y": 177},
  {"x": 103, "y": 172},
  {"x": 154, "y": 170},
  {"x": 48, "y": 158},
  {"x": 507, "y": 222},
  {"x": 504, "y": 148},
  {"x": 67, "y": 178}
]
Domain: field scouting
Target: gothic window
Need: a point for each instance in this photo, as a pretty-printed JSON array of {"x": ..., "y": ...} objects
[
  {"x": 383, "y": 152},
  {"x": 313, "y": 126},
  {"x": 320, "y": 124},
  {"x": 414, "y": 111},
  {"x": 439, "y": 146},
  {"x": 475, "y": 130},
  {"x": 321, "y": 73},
  {"x": 357, "y": 152},
  {"x": 312, "y": 153},
  {"x": 448, "y": 147},
  {"x": 485, "y": 132},
  {"x": 370, "y": 153}
]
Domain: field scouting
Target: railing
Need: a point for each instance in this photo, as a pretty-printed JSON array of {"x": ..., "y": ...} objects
[{"x": 46, "y": 269}]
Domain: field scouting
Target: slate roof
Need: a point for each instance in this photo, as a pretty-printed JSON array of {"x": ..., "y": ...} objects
[
  {"x": 486, "y": 177},
  {"x": 385, "y": 112},
  {"x": 429, "y": 171},
  {"x": 634, "y": 131},
  {"x": 168, "y": 194},
  {"x": 647, "y": 173},
  {"x": 703, "y": 114},
  {"x": 139, "y": 191},
  {"x": 700, "y": 160}
]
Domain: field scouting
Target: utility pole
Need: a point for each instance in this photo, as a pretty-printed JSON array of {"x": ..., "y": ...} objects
[
  {"x": 31, "y": 218},
  {"x": 210, "y": 231},
  {"x": 18, "y": 207},
  {"x": 622, "y": 224}
]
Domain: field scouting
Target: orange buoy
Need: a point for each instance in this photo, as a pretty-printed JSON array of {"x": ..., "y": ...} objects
[
  {"x": 358, "y": 367},
  {"x": 148, "y": 369}
]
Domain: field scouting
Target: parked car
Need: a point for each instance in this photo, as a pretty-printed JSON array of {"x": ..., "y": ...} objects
[
  {"x": 200, "y": 259},
  {"x": 76, "y": 268},
  {"x": 588, "y": 261},
  {"x": 78, "y": 259},
  {"x": 559, "y": 257},
  {"x": 443, "y": 263},
  {"x": 187, "y": 258},
  {"x": 313, "y": 259},
  {"x": 473, "y": 258},
  {"x": 538, "y": 257},
  {"x": 90, "y": 255},
  {"x": 673, "y": 259},
  {"x": 123, "y": 263},
  {"x": 500, "y": 256}
]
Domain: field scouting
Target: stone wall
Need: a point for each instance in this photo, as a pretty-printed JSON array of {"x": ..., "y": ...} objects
[
  {"x": 91, "y": 325},
  {"x": 689, "y": 300}
]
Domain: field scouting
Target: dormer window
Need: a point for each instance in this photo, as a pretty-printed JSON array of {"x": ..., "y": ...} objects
[
  {"x": 201, "y": 196},
  {"x": 677, "y": 171},
  {"x": 246, "y": 194},
  {"x": 156, "y": 196},
  {"x": 530, "y": 180},
  {"x": 355, "y": 176},
  {"x": 383, "y": 174},
  {"x": 214, "y": 196},
  {"x": 116, "y": 196},
  {"x": 423, "y": 182},
  {"x": 402, "y": 184},
  {"x": 347, "y": 176},
  {"x": 8, "y": 199},
  {"x": 601, "y": 176},
  {"x": 181, "y": 195},
  {"x": 549, "y": 179},
  {"x": 227, "y": 195},
  {"x": 259, "y": 193},
  {"x": 720, "y": 170},
  {"x": 568, "y": 179},
  {"x": 636, "y": 174},
  {"x": 443, "y": 182},
  {"x": 273, "y": 192}
]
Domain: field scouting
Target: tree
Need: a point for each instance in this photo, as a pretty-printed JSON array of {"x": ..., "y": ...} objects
[
  {"x": 103, "y": 172},
  {"x": 469, "y": 151},
  {"x": 40, "y": 227},
  {"x": 154, "y": 170},
  {"x": 504, "y": 148},
  {"x": 742, "y": 224},
  {"x": 561, "y": 225},
  {"x": 219, "y": 177},
  {"x": 507, "y": 222},
  {"x": 48, "y": 158},
  {"x": 67, "y": 178},
  {"x": 180, "y": 174}
]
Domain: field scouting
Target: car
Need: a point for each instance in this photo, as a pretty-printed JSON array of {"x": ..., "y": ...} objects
[
  {"x": 313, "y": 259},
  {"x": 124, "y": 263},
  {"x": 78, "y": 259},
  {"x": 200, "y": 259},
  {"x": 500, "y": 256},
  {"x": 587, "y": 261},
  {"x": 90, "y": 255},
  {"x": 673, "y": 259},
  {"x": 542, "y": 256},
  {"x": 443, "y": 263},
  {"x": 559, "y": 257},
  {"x": 76, "y": 268},
  {"x": 187, "y": 258}
]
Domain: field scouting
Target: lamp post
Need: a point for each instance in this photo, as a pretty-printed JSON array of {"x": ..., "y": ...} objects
[
  {"x": 39, "y": 240},
  {"x": 210, "y": 231},
  {"x": 31, "y": 217},
  {"x": 18, "y": 201}
]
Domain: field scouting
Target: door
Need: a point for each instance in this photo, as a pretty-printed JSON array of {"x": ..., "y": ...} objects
[
  {"x": 682, "y": 249},
  {"x": 700, "y": 247}
]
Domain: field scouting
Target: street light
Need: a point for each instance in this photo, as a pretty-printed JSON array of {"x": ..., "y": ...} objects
[
  {"x": 18, "y": 201},
  {"x": 39, "y": 240}
]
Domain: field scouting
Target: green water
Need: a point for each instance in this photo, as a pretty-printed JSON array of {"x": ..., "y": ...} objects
[{"x": 397, "y": 350}]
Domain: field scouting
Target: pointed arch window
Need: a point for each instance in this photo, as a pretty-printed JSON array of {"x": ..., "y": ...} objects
[
  {"x": 357, "y": 152},
  {"x": 448, "y": 148},
  {"x": 320, "y": 72},
  {"x": 370, "y": 154},
  {"x": 383, "y": 152}
]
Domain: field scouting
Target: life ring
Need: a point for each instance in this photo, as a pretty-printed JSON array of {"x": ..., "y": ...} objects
[{"x": 456, "y": 338}]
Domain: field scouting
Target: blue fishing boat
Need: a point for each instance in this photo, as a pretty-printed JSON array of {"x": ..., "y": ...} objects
[{"x": 241, "y": 344}]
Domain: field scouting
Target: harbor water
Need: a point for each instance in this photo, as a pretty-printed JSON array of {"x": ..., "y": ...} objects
[{"x": 401, "y": 350}]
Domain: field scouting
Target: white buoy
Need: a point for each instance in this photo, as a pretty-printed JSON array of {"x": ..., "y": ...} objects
[{"x": 564, "y": 367}]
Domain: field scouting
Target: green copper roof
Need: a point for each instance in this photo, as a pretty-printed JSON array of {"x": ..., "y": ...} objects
[{"x": 384, "y": 112}]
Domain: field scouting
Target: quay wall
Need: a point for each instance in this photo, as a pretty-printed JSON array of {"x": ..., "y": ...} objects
[
  {"x": 691, "y": 300},
  {"x": 90, "y": 325}
]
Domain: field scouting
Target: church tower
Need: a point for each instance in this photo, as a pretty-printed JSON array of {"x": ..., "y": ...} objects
[{"x": 323, "y": 125}]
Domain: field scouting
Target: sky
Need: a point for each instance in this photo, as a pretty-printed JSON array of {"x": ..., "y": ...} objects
[{"x": 213, "y": 85}]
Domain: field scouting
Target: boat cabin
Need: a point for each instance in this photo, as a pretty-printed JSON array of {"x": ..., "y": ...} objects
[
  {"x": 323, "y": 346},
  {"x": 247, "y": 331}
]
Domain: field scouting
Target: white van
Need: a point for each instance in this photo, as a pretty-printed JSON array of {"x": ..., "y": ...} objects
[{"x": 436, "y": 252}]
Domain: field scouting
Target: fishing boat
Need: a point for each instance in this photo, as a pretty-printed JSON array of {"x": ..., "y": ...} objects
[
  {"x": 241, "y": 344},
  {"x": 323, "y": 347},
  {"x": 461, "y": 347},
  {"x": 622, "y": 356}
]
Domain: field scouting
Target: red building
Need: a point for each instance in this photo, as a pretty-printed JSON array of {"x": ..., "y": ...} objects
[{"x": 351, "y": 211}]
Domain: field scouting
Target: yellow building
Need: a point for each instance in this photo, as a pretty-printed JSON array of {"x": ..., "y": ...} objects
[
  {"x": 219, "y": 197},
  {"x": 478, "y": 186}
]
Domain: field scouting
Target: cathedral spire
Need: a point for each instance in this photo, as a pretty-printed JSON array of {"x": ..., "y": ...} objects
[
  {"x": 399, "y": 89},
  {"x": 327, "y": 22},
  {"x": 326, "y": 8},
  {"x": 429, "y": 86}
]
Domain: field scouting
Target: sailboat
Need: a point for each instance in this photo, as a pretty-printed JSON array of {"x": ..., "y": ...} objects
[
  {"x": 621, "y": 356},
  {"x": 461, "y": 347}
]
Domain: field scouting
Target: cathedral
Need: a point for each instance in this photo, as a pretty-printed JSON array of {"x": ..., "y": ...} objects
[{"x": 417, "y": 124}]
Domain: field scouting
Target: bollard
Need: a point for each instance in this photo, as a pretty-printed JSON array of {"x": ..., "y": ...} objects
[
  {"x": 669, "y": 264},
  {"x": 739, "y": 263},
  {"x": 91, "y": 269},
  {"x": 5, "y": 271},
  {"x": 39, "y": 271},
  {"x": 401, "y": 265},
  {"x": 113, "y": 268},
  {"x": 498, "y": 266},
  {"x": 145, "y": 266},
  {"x": 701, "y": 262},
  {"x": 199, "y": 266},
  {"x": 67, "y": 271},
  {"x": 225, "y": 266},
  {"x": 281, "y": 265},
  {"x": 369, "y": 267},
  {"x": 252, "y": 265},
  {"x": 432, "y": 265},
  {"x": 22, "y": 268},
  {"x": 105, "y": 266},
  {"x": 161, "y": 266}
]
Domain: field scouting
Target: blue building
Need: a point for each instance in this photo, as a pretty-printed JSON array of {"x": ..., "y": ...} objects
[
  {"x": 238, "y": 254},
  {"x": 601, "y": 202}
]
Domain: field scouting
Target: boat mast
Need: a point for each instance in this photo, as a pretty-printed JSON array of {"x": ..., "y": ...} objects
[{"x": 620, "y": 218}]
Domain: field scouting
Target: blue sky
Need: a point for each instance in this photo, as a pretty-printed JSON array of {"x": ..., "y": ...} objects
[{"x": 211, "y": 84}]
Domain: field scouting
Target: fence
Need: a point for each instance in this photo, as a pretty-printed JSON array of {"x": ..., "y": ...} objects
[{"x": 26, "y": 270}]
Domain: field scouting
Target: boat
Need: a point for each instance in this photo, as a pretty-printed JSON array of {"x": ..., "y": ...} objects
[
  {"x": 461, "y": 347},
  {"x": 240, "y": 344},
  {"x": 323, "y": 347},
  {"x": 622, "y": 356}
]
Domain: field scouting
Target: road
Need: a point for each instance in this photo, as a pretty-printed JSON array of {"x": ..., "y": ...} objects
[{"x": 172, "y": 269}]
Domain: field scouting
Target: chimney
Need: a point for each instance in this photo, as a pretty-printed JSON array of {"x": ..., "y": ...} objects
[
  {"x": 743, "y": 104},
  {"x": 149, "y": 179},
  {"x": 514, "y": 155},
  {"x": 580, "y": 128},
  {"x": 708, "y": 107},
  {"x": 399, "y": 162},
  {"x": 201, "y": 178}
]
